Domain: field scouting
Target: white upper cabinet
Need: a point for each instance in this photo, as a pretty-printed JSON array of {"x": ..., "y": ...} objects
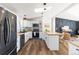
[{"x": 27, "y": 23}]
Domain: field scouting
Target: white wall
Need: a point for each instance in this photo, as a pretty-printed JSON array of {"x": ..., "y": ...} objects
[
  {"x": 50, "y": 20},
  {"x": 46, "y": 19},
  {"x": 53, "y": 24}
]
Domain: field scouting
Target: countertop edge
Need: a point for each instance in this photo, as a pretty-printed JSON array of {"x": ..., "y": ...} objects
[{"x": 74, "y": 44}]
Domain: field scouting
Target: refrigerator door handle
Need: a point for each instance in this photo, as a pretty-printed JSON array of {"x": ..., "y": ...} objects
[
  {"x": 5, "y": 30},
  {"x": 8, "y": 31}
]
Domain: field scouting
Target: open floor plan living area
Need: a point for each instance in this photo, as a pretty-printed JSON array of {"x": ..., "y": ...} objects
[{"x": 39, "y": 28}]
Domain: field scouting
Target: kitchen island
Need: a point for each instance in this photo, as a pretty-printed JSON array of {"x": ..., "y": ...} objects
[{"x": 51, "y": 39}]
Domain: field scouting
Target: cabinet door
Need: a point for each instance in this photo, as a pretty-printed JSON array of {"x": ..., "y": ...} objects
[
  {"x": 27, "y": 23},
  {"x": 22, "y": 40},
  {"x": 40, "y": 35},
  {"x": 47, "y": 40},
  {"x": 30, "y": 34},
  {"x": 44, "y": 37},
  {"x": 53, "y": 42},
  {"x": 26, "y": 37}
]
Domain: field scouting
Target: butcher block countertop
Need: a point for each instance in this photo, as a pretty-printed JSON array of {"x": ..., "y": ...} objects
[
  {"x": 53, "y": 33},
  {"x": 75, "y": 43},
  {"x": 20, "y": 33}
]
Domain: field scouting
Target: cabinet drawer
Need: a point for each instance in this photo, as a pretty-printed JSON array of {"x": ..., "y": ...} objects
[{"x": 73, "y": 50}]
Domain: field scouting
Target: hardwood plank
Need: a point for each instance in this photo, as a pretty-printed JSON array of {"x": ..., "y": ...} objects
[{"x": 35, "y": 47}]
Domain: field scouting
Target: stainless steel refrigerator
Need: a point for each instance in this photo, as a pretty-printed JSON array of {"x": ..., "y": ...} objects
[{"x": 7, "y": 32}]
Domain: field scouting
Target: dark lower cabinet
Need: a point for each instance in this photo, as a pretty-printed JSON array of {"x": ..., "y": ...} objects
[{"x": 22, "y": 40}]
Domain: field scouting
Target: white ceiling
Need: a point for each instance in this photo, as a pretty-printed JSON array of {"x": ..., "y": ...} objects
[
  {"x": 72, "y": 13},
  {"x": 74, "y": 10},
  {"x": 28, "y": 8}
]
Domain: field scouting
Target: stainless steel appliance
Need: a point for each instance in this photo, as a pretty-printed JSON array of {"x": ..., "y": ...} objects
[
  {"x": 35, "y": 32},
  {"x": 7, "y": 32}
]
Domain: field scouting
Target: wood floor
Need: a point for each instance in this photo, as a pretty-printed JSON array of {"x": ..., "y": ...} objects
[
  {"x": 63, "y": 48},
  {"x": 35, "y": 47}
]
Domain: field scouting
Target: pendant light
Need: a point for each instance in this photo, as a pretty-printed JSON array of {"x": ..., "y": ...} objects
[
  {"x": 24, "y": 18},
  {"x": 45, "y": 8}
]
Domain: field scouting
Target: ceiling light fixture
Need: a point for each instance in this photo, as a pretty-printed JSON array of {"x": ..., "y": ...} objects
[
  {"x": 24, "y": 18},
  {"x": 44, "y": 3},
  {"x": 43, "y": 9}
]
